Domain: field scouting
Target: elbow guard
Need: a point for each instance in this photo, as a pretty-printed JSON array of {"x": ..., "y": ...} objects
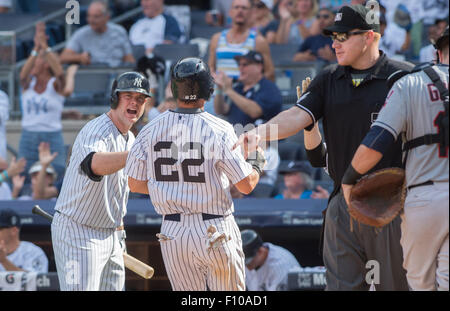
[
  {"x": 86, "y": 167},
  {"x": 378, "y": 139}
]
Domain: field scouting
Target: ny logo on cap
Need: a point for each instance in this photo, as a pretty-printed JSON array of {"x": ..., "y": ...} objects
[
  {"x": 137, "y": 82},
  {"x": 338, "y": 17}
]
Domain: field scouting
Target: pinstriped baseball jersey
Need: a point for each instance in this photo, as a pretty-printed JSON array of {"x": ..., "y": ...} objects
[
  {"x": 188, "y": 161},
  {"x": 272, "y": 275},
  {"x": 413, "y": 105},
  {"x": 97, "y": 204}
]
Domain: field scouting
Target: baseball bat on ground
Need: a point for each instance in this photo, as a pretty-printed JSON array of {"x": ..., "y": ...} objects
[{"x": 130, "y": 262}]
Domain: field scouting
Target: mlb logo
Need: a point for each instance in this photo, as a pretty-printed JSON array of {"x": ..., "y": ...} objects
[{"x": 338, "y": 17}]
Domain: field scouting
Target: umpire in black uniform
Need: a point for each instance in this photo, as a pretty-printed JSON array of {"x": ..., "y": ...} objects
[{"x": 347, "y": 97}]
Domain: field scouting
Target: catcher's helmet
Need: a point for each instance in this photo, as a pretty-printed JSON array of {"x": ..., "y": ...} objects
[
  {"x": 191, "y": 80},
  {"x": 439, "y": 44},
  {"x": 251, "y": 242},
  {"x": 129, "y": 82}
]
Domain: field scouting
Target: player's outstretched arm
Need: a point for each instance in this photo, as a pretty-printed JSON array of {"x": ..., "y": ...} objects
[
  {"x": 283, "y": 125},
  {"x": 246, "y": 185},
  {"x": 106, "y": 163},
  {"x": 137, "y": 186}
]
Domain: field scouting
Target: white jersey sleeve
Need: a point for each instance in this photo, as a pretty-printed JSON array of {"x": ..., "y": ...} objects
[
  {"x": 136, "y": 166},
  {"x": 232, "y": 162}
]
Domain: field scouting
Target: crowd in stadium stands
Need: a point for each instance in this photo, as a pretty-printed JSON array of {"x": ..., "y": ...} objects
[{"x": 238, "y": 53}]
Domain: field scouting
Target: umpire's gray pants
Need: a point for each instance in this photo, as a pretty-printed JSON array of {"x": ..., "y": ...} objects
[{"x": 354, "y": 259}]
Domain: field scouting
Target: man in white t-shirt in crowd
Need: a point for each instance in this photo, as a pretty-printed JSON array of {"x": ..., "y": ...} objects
[
  {"x": 155, "y": 28},
  {"x": 266, "y": 265},
  {"x": 16, "y": 255},
  {"x": 395, "y": 40},
  {"x": 99, "y": 42}
]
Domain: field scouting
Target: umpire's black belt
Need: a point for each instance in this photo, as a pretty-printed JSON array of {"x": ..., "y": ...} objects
[
  {"x": 427, "y": 183},
  {"x": 177, "y": 217}
]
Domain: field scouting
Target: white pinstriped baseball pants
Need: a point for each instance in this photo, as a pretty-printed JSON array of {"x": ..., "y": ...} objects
[
  {"x": 188, "y": 264},
  {"x": 87, "y": 258}
]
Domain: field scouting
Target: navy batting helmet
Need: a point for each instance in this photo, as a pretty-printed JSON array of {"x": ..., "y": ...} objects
[
  {"x": 251, "y": 242},
  {"x": 191, "y": 80},
  {"x": 129, "y": 82}
]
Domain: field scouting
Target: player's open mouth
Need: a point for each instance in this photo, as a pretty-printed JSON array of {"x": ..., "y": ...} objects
[{"x": 131, "y": 111}]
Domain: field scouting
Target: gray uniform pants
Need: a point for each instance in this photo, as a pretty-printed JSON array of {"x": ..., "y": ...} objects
[{"x": 346, "y": 253}]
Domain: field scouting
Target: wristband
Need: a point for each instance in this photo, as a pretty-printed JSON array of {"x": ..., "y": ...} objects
[
  {"x": 48, "y": 50},
  {"x": 1, "y": 178},
  {"x": 34, "y": 53},
  {"x": 351, "y": 176},
  {"x": 5, "y": 174},
  {"x": 219, "y": 92}
]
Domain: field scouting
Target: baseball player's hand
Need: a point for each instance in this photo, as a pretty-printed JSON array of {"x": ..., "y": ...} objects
[
  {"x": 347, "y": 189},
  {"x": 45, "y": 157},
  {"x": 248, "y": 142}
]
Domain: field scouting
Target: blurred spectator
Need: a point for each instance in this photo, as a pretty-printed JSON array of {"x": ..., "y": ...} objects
[
  {"x": 42, "y": 99},
  {"x": 297, "y": 21},
  {"x": 253, "y": 97},
  {"x": 42, "y": 175},
  {"x": 219, "y": 13},
  {"x": 238, "y": 40},
  {"x": 29, "y": 6},
  {"x": 335, "y": 5},
  {"x": 100, "y": 42},
  {"x": 5, "y": 6},
  {"x": 394, "y": 39},
  {"x": 169, "y": 102},
  {"x": 266, "y": 265},
  {"x": 4, "y": 116},
  {"x": 262, "y": 19},
  {"x": 7, "y": 173},
  {"x": 318, "y": 47},
  {"x": 429, "y": 53},
  {"x": 155, "y": 28},
  {"x": 17, "y": 255},
  {"x": 299, "y": 182}
]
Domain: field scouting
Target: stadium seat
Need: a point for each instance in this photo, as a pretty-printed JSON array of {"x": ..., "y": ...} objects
[
  {"x": 204, "y": 31},
  {"x": 282, "y": 53},
  {"x": 138, "y": 51},
  {"x": 174, "y": 52},
  {"x": 291, "y": 151}
]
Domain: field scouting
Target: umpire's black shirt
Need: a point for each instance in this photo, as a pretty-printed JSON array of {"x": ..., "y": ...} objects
[{"x": 348, "y": 111}]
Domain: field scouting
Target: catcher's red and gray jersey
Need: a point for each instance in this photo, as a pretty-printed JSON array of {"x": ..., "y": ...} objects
[
  {"x": 413, "y": 105},
  {"x": 188, "y": 162}
]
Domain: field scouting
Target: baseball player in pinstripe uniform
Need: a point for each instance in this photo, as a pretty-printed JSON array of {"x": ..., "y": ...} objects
[
  {"x": 87, "y": 229},
  {"x": 416, "y": 108},
  {"x": 183, "y": 160},
  {"x": 266, "y": 265}
]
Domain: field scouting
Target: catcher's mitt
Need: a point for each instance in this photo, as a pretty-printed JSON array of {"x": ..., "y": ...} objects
[{"x": 378, "y": 198}]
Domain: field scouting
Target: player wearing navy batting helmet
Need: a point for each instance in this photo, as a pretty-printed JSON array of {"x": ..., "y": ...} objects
[
  {"x": 184, "y": 160},
  {"x": 87, "y": 230}
]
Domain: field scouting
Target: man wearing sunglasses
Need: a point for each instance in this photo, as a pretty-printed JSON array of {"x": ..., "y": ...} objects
[
  {"x": 348, "y": 97},
  {"x": 318, "y": 47}
]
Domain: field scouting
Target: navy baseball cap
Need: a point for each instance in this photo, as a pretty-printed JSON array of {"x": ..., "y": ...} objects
[
  {"x": 287, "y": 167},
  {"x": 351, "y": 17},
  {"x": 9, "y": 218},
  {"x": 251, "y": 56},
  {"x": 251, "y": 242}
]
